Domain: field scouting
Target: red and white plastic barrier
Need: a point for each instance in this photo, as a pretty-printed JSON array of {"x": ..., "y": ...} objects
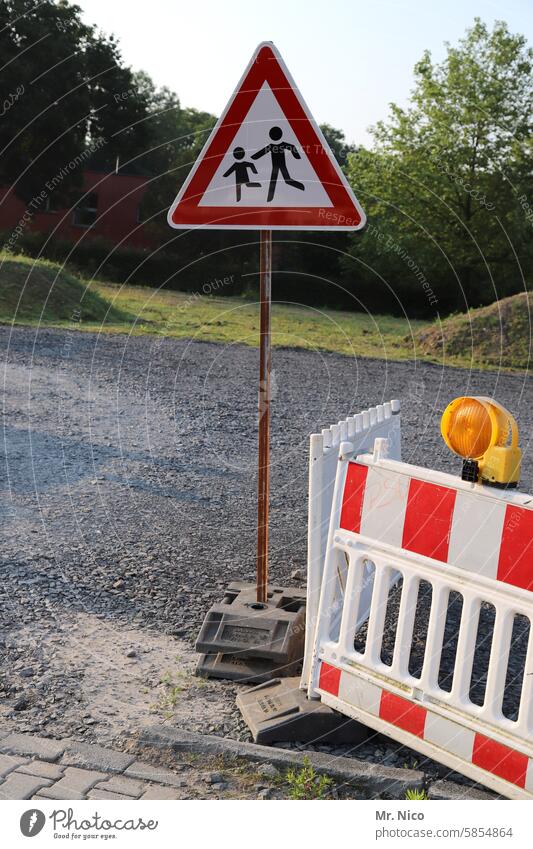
[
  {"x": 389, "y": 520},
  {"x": 362, "y": 429}
]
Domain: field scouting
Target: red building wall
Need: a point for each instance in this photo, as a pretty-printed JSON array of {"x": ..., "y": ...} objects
[{"x": 117, "y": 218}]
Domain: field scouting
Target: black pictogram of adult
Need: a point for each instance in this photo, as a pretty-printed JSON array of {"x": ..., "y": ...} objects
[
  {"x": 240, "y": 169},
  {"x": 277, "y": 152}
]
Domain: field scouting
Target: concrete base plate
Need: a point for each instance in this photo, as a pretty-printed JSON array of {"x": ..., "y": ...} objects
[
  {"x": 246, "y": 641},
  {"x": 279, "y": 712},
  {"x": 246, "y": 670}
]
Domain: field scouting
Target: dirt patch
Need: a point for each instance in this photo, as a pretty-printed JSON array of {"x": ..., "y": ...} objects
[
  {"x": 496, "y": 335},
  {"x": 89, "y": 677}
]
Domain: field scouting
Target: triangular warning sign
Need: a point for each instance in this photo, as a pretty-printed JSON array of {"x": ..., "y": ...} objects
[{"x": 266, "y": 164}]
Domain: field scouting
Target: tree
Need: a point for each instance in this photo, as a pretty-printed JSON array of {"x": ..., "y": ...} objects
[
  {"x": 441, "y": 187},
  {"x": 308, "y": 264},
  {"x": 176, "y": 137},
  {"x": 338, "y": 144},
  {"x": 65, "y": 92}
]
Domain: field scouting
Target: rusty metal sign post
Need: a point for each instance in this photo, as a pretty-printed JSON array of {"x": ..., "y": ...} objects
[
  {"x": 266, "y": 166},
  {"x": 263, "y": 470}
]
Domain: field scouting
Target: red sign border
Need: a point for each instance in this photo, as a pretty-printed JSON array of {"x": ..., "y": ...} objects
[{"x": 345, "y": 212}]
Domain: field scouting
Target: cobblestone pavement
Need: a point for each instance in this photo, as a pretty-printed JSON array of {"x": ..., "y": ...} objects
[
  {"x": 40, "y": 768},
  {"x": 208, "y": 768}
]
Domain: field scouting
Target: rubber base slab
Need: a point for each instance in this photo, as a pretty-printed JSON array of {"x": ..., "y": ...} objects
[{"x": 279, "y": 712}]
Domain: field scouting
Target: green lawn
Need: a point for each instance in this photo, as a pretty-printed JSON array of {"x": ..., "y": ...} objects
[
  {"x": 230, "y": 320},
  {"x": 39, "y": 292}
]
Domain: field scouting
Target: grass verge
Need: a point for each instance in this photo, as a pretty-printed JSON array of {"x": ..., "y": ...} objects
[
  {"x": 42, "y": 293},
  {"x": 496, "y": 336}
]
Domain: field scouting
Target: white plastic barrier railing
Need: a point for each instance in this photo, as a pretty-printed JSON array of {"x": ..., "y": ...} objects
[
  {"x": 467, "y": 545},
  {"x": 362, "y": 429}
]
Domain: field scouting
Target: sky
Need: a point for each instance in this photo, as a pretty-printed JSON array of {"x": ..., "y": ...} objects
[{"x": 349, "y": 58}]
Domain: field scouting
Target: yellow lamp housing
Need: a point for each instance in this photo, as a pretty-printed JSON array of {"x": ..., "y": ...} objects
[{"x": 478, "y": 430}]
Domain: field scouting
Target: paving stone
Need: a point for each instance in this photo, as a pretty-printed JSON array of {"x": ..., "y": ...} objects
[
  {"x": 102, "y": 794},
  {"x": 159, "y": 792},
  {"x": 75, "y": 784},
  {"x": 89, "y": 756},
  {"x": 449, "y": 790},
  {"x": 42, "y": 769},
  {"x": 123, "y": 785},
  {"x": 157, "y": 774},
  {"x": 9, "y": 763},
  {"x": 18, "y": 786},
  {"x": 36, "y": 747}
]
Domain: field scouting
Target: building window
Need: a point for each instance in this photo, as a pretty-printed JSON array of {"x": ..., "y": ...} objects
[
  {"x": 86, "y": 211},
  {"x": 52, "y": 204}
]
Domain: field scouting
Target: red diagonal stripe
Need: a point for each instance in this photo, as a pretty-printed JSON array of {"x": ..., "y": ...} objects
[
  {"x": 428, "y": 519},
  {"x": 402, "y": 713},
  {"x": 352, "y": 499},
  {"x": 500, "y": 760},
  {"x": 515, "y": 564},
  {"x": 329, "y": 679},
  {"x": 266, "y": 68}
]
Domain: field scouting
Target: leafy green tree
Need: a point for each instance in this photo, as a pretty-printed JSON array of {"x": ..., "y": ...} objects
[
  {"x": 442, "y": 186},
  {"x": 307, "y": 263},
  {"x": 65, "y": 91},
  {"x": 338, "y": 144},
  {"x": 176, "y": 137}
]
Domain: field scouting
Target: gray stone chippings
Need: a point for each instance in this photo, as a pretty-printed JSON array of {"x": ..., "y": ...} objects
[
  {"x": 129, "y": 456},
  {"x": 268, "y": 771}
]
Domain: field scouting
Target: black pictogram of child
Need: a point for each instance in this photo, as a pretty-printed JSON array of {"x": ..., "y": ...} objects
[
  {"x": 277, "y": 152},
  {"x": 240, "y": 169}
]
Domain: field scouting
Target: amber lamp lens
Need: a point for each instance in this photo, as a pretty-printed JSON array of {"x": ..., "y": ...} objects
[{"x": 469, "y": 429}]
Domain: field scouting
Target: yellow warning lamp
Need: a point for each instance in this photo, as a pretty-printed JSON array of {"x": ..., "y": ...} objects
[{"x": 478, "y": 430}]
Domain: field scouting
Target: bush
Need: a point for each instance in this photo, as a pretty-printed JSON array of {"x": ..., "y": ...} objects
[
  {"x": 307, "y": 784},
  {"x": 224, "y": 269}
]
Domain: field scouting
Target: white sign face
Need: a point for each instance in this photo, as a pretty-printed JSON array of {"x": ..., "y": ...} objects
[
  {"x": 266, "y": 165},
  {"x": 275, "y": 171}
]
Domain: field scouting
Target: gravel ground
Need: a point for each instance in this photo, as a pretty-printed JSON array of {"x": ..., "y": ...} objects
[{"x": 128, "y": 504}]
